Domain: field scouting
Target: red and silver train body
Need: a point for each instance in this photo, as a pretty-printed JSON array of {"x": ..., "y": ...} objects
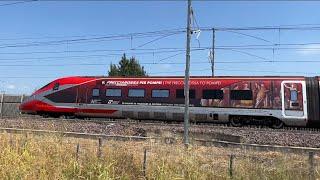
[{"x": 293, "y": 101}]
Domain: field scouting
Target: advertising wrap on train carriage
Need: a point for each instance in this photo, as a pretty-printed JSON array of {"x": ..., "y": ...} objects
[{"x": 251, "y": 94}]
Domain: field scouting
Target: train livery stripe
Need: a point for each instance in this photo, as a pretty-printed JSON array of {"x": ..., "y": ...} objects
[
  {"x": 98, "y": 111},
  {"x": 45, "y": 107}
]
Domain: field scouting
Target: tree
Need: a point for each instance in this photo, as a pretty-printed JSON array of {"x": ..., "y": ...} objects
[{"x": 127, "y": 67}]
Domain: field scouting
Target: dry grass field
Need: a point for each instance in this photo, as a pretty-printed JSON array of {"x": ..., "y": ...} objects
[{"x": 53, "y": 157}]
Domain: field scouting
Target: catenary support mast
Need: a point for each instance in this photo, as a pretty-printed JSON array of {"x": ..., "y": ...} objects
[{"x": 186, "y": 79}]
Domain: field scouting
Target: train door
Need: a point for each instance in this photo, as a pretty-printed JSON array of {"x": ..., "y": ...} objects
[
  {"x": 82, "y": 98},
  {"x": 293, "y": 96}
]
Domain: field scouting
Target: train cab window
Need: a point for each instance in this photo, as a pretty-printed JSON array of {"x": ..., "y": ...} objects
[
  {"x": 95, "y": 92},
  {"x": 212, "y": 94},
  {"x": 180, "y": 93},
  {"x": 46, "y": 85},
  {"x": 294, "y": 95},
  {"x": 136, "y": 93},
  {"x": 241, "y": 95},
  {"x": 56, "y": 86},
  {"x": 160, "y": 93},
  {"x": 113, "y": 93}
]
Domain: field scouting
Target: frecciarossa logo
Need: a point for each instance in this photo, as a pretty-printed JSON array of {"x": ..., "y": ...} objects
[{"x": 157, "y": 82}]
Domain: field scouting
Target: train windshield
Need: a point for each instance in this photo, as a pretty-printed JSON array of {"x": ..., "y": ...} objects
[{"x": 45, "y": 86}]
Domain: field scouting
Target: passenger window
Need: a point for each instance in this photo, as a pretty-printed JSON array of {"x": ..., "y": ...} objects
[
  {"x": 293, "y": 95},
  {"x": 180, "y": 93},
  {"x": 56, "y": 86},
  {"x": 95, "y": 92},
  {"x": 241, "y": 95},
  {"x": 212, "y": 94},
  {"x": 158, "y": 93},
  {"x": 136, "y": 93},
  {"x": 113, "y": 93}
]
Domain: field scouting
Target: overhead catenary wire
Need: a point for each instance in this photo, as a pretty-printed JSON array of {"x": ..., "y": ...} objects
[
  {"x": 93, "y": 39},
  {"x": 235, "y": 48},
  {"x": 32, "y": 59},
  {"x": 251, "y": 36},
  {"x": 253, "y": 28},
  {"x": 247, "y": 53},
  {"x": 152, "y": 33},
  {"x": 154, "y": 40},
  {"x": 281, "y": 27},
  {"x": 175, "y": 49},
  {"x": 15, "y": 3},
  {"x": 157, "y": 63},
  {"x": 241, "y": 70},
  {"x": 136, "y": 35},
  {"x": 150, "y": 51},
  {"x": 171, "y": 56},
  {"x": 169, "y": 72}
]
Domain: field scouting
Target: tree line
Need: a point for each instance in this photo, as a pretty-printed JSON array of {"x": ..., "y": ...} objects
[{"x": 127, "y": 67}]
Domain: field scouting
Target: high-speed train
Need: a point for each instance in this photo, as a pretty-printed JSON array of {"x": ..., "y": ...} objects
[{"x": 277, "y": 101}]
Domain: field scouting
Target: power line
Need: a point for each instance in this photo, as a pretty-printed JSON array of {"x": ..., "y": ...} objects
[
  {"x": 164, "y": 31},
  {"x": 27, "y": 77},
  {"x": 151, "y": 50},
  {"x": 136, "y": 35},
  {"x": 176, "y": 49},
  {"x": 275, "y": 48},
  {"x": 241, "y": 70},
  {"x": 31, "y": 59},
  {"x": 246, "y": 53},
  {"x": 14, "y": 3},
  {"x": 157, "y": 63},
  {"x": 281, "y": 27},
  {"x": 167, "y": 72},
  {"x": 154, "y": 40},
  {"x": 248, "y": 35},
  {"x": 280, "y": 72},
  {"x": 171, "y": 56},
  {"x": 95, "y": 39},
  {"x": 181, "y": 30}
]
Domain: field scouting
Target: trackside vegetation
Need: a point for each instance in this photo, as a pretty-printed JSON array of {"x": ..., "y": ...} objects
[
  {"x": 127, "y": 67},
  {"x": 26, "y": 156}
]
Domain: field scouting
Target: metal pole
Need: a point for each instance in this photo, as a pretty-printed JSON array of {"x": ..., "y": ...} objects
[
  {"x": 144, "y": 162},
  {"x": 77, "y": 152},
  {"x": 311, "y": 166},
  {"x": 22, "y": 98},
  {"x": 99, "y": 147},
  {"x": 1, "y": 109},
  {"x": 231, "y": 165},
  {"x": 186, "y": 79},
  {"x": 213, "y": 47}
]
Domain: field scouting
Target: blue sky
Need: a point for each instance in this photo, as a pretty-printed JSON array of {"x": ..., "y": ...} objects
[{"x": 43, "y": 21}]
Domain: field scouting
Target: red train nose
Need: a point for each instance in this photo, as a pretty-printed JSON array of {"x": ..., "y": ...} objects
[{"x": 27, "y": 107}]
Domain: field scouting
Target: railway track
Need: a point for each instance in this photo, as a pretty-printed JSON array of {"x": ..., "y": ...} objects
[
  {"x": 288, "y": 136},
  {"x": 107, "y": 121}
]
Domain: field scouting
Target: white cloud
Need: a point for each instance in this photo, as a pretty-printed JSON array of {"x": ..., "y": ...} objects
[
  {"x": 312, "y": 49},
  {"x": 11, "y": 86}
]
